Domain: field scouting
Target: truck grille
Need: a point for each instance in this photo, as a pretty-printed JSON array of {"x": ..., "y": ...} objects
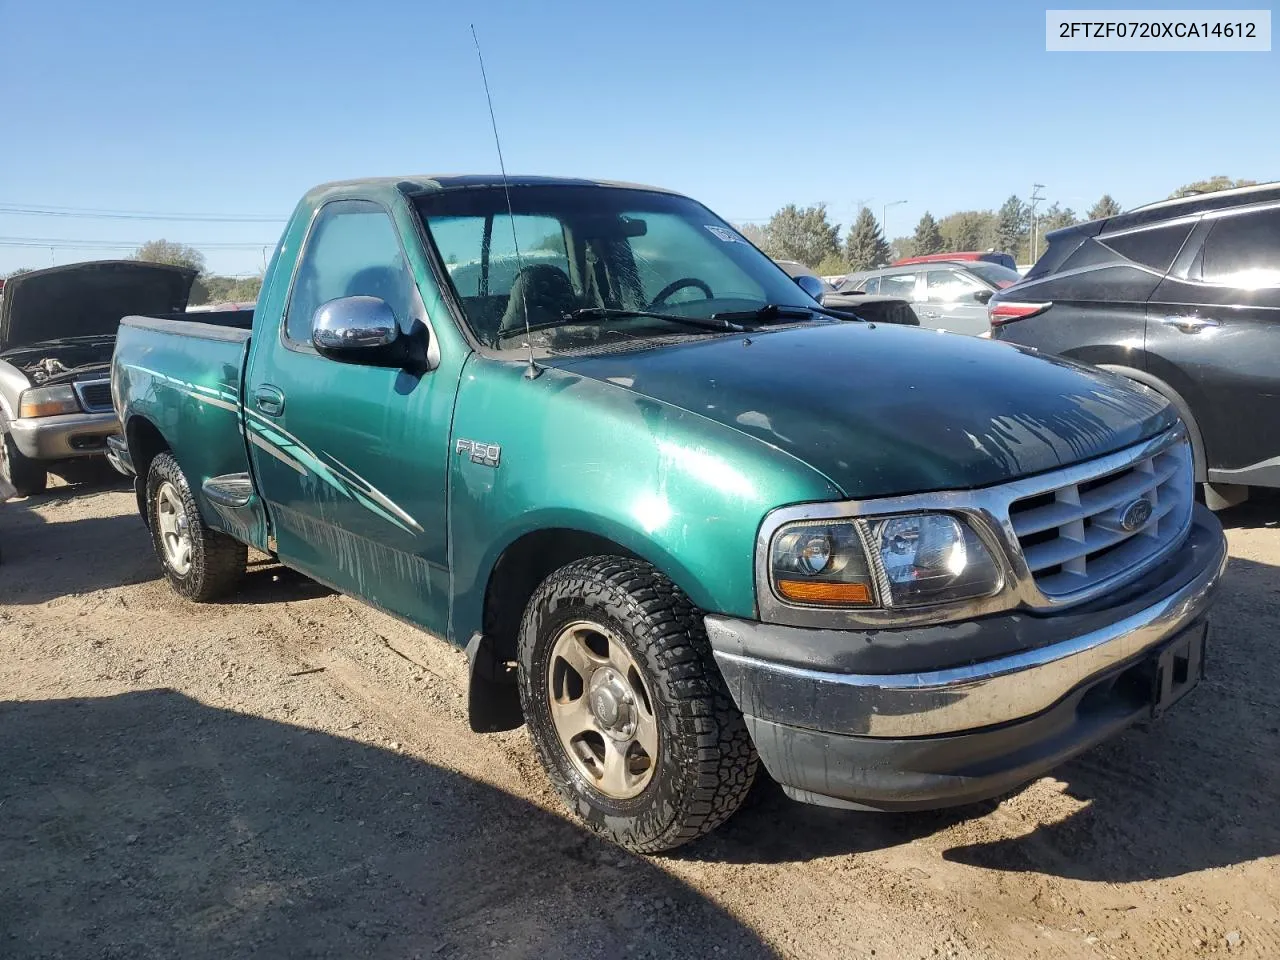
[
  {"x": 1083, "y": 534},
  {"x": 95, "y": 395}
]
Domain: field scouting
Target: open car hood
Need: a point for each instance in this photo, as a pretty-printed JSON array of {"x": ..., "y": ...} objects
[{"x": 87, "y": 299}]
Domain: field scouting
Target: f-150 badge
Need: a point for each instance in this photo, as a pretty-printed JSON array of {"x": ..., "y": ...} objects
[{"x": 485, "y": 454}]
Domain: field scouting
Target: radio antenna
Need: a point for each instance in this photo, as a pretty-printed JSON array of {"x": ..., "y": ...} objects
[{"x": 534, "y": 369}]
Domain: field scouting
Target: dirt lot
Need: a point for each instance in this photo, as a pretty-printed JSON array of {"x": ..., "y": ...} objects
[{"x": 291, "y": 774}]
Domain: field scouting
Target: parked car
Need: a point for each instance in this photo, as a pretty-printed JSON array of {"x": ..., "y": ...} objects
[
  {"x": 680, "y": 520},
  {"x": 947, "y": 295},
  {"x": 970, "y": 256},
  {"x": 854, "y": 304},
  {"x": 1184, "y": 297},
  {"x": 57, "y": 331},
  {"x": 870, "y": 307}
]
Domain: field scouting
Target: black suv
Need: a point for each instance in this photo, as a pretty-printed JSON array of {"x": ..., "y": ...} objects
[{"x": 1183, "y": 296}]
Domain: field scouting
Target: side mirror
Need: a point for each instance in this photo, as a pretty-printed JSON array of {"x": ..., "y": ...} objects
[
  {"x": 811, "y": 285},
  {"x": 364, "y": 330},
  {"x": 983, "y": 296}
]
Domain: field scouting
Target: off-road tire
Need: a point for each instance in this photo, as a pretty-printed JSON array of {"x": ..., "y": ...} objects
[
  {"x": 27, "y": 476},
  {"x": 218, "y": 561},
  {"x": 706, "y": 761}
]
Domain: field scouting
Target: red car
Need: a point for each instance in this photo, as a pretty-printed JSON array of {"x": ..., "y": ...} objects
[{"x": 1004, "y": 259}]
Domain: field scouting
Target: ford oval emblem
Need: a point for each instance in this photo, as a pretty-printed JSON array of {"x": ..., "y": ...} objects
[{"x": 1135, "y": 515}]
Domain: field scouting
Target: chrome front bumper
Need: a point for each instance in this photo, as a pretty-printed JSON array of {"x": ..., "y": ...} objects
[
  {"x": 66, "y": 436},
  {"x": 972, "y": 696},
  {"x": 1013, "y": 695}
]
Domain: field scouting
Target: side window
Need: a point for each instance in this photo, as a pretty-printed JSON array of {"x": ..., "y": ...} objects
[
  {"x": 1154, "y": 248},
  {"x": 871, "y": 286},
  {"x": 948, "y": 286},
  {"x": 899, "y": 285},
  {"x": 1244, "y": 250},
  {"x": 353, "y": 250}
]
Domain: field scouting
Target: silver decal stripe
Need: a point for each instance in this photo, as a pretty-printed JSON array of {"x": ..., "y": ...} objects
[{"x": 269, "y": 437}]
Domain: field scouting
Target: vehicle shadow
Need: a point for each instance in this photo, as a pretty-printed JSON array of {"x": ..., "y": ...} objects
[
  {"x": 46, "y": 557},
  {"x": 151, "y": 825},
  {"x": 268, "y": 581},
  {"x": 1192, "y": 791},
  {"x": 1262, "y": 509}
]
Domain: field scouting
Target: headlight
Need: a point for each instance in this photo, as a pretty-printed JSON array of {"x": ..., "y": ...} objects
[
  {"x": 822, "y": 563},
  {"x": 48, "y": 401},
  {"x": 916, "y": 560}
]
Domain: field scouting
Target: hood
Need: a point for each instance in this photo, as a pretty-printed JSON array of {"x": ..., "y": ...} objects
[
  {"x": 886, "y": 410},
  {"x": 87, "y": 299}
]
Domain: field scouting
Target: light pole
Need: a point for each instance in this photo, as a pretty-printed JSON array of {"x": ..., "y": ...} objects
[{"x": 884, "y": 215}]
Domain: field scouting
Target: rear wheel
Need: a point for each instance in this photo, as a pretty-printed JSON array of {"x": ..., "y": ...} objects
[
  {"x": 200, "y": 563},
  {"x": 27, "y": 476},
  {"x": 628, "y": 712}
]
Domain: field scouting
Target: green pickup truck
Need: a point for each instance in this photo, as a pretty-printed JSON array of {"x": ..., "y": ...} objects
[{"x": 682, "y": 520}]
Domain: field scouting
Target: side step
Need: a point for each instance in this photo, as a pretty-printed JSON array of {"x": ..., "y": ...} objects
[{"x": 230, "y": 489}]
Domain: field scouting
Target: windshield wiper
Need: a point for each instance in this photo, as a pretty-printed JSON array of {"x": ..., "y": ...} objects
[
  {"x": 770, "y": 311},
  {"x": 716, "y": 322}
]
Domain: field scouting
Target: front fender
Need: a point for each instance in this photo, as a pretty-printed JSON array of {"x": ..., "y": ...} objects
[{"x": 674, "y": 488}]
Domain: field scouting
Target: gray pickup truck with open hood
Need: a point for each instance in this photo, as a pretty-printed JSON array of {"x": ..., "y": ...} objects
[{"x": 57, "y": 332}]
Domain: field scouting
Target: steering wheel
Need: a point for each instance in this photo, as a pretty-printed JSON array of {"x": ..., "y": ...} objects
[{"x": 680, "y": 284}]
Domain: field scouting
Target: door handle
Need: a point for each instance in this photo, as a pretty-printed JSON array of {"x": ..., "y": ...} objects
[
  {"x": 269, "y": 399},
  {"x": 1190, "y": 324}
]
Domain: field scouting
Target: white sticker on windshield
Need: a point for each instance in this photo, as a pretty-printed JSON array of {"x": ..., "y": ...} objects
[{"x": 728, "y": 236}]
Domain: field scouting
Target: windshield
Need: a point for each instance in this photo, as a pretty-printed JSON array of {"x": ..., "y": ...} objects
[
  {"x": 599, "y": 261},
  {"x": 996, "y": 275}
]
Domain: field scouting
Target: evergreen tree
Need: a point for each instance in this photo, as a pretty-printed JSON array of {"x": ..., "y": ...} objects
[
  {"x": 1106, "y": 207},
  {"x": 1011, "y": 225},
  {"x": 927, "y": 239},
  {"x": 865, "y": 247}
]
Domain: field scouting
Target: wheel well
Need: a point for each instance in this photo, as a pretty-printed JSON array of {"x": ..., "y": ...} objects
[
  {"x": 145, "y": 444},
  {"x": 494, "y": 700},
  {"x": 524, "y": 565}
]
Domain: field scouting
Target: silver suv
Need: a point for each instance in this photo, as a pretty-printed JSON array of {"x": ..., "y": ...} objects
[{"x": 947, "y": 295}]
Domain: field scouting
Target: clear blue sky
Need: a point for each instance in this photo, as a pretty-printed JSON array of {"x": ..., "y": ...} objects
[{"x": 236, "y": 107}]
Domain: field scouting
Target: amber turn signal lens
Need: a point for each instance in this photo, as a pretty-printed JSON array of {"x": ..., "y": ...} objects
[
  {"x": 806, "y": 591},
  {"x": 49, "y": 408}
]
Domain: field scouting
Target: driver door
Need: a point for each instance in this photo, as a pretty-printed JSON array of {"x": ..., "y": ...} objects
[{"x": 351, "y": 459}]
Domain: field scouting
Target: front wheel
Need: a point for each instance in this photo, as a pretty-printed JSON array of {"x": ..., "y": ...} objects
[
  {"x": 199, "y": 562},
  {"x": 626, "y": 708},
  {"x": 27, "y": 476}
]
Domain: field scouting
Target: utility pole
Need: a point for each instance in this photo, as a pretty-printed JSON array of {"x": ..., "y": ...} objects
[{"x": 1035, "y": 199}]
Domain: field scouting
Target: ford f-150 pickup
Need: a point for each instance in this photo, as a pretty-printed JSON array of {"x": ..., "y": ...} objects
[{"x": 681, "y": 520}]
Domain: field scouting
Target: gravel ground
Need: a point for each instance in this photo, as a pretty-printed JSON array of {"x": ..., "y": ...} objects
[{"x": 291, "y": 774}]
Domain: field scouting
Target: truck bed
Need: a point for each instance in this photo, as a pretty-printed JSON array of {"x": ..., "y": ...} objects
[{"x": 183, "y": 377}]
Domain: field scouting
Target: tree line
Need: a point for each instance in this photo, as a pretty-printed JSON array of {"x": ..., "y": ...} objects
[{"x": 807, "y": 235}]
